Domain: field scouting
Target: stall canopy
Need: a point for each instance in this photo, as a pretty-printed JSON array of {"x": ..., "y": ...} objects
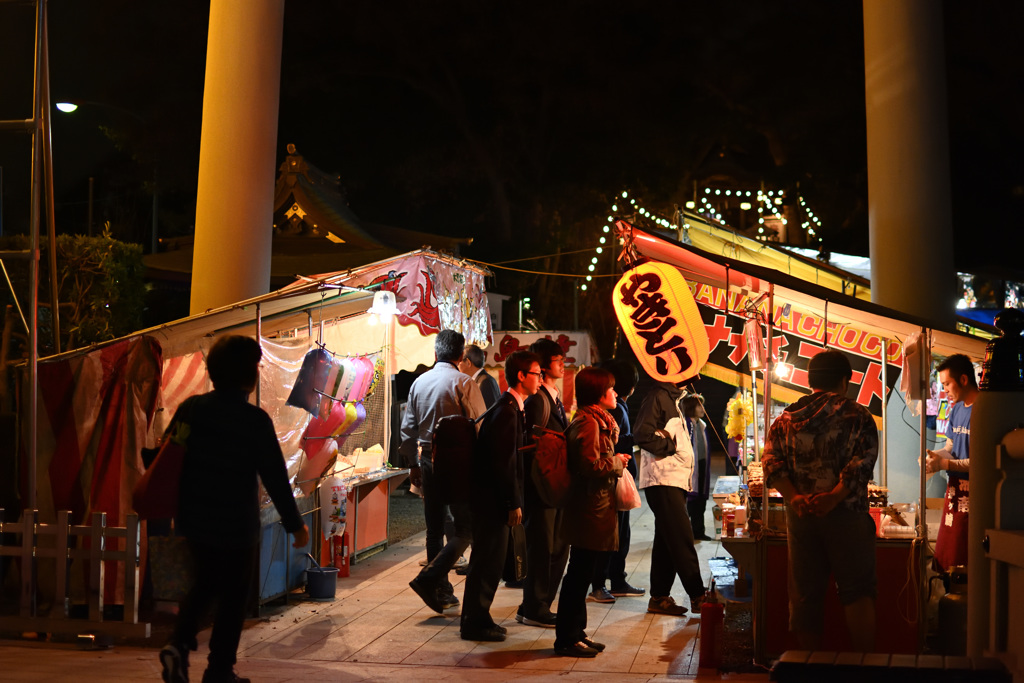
[
  {"x": 98, "y": 406},
  {"x": 806, "y": 318}
]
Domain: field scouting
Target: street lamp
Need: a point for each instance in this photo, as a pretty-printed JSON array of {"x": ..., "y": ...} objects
[{"x": 70, "y": 107}]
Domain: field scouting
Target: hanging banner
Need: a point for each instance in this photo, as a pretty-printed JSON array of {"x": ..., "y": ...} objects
[
  {"x": 434, "y": 295},
  {"x": 661, "y": 321},
  {"x": 796, "y": 338}
]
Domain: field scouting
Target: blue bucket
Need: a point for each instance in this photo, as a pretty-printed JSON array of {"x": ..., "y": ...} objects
[{"x": 321, "y": 582}]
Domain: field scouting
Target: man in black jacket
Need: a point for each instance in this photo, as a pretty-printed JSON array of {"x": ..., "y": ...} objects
[
  {"x": 229, "y": 442},
  {"x": 546, "y": 550},
  {"x": 497, "y": 495}
]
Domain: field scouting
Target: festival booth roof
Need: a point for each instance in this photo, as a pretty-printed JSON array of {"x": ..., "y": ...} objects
[{"x": 730, "y": 244}]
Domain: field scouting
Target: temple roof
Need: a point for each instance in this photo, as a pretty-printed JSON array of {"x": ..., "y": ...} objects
[{"x": 315, "y": 231}]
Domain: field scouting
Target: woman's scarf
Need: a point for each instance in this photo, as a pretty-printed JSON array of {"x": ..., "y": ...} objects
[{"x": 604, "y": 420}]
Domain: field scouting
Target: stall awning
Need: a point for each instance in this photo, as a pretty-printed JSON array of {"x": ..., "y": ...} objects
[{"x": 806, "y": 318}]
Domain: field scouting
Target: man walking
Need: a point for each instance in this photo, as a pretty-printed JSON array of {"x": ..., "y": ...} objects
[
  {"x": 497, "y": 494},
  {"x": 820, "y": 454},
  {"x": 439, "y": 392}
]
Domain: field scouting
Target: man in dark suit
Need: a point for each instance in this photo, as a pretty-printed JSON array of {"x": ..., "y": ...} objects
[
  {"x": 546, "y": 550},
  {"x": 497, "y": 494},
  {"x": 473, "y": 365}
]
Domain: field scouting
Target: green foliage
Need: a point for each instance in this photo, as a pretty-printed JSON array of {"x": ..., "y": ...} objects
[{"x": 100, "y": 286}]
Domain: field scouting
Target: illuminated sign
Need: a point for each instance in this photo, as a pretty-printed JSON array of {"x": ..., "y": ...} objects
[{"x": 659, "y": 317}]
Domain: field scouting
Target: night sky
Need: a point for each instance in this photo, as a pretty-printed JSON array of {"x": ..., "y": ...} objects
[{"x": 516, "y": 123}]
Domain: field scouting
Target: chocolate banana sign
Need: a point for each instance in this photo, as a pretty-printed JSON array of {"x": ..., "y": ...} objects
[{"x": 660, "y": 319}]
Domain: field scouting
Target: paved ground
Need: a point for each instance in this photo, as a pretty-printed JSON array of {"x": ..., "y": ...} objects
[{"x": 378, "y": 629}]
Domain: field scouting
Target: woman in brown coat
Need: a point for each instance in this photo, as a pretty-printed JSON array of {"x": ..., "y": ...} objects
[{"x": 591, "y": 524}]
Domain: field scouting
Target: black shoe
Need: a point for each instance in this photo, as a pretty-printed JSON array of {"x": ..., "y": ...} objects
[
  {"x": 592, "y": 644},
  {"x": 515, "y": 584},
  {"x": 577, "y": 649},
  {"x": 428, "y": 592},
  {"x": 174, "y": 658},
  {"x": 492, "y": 634},
  {"x": 601, "y": 595},
  {"x": 702, "y": 537},
  {"x": 624, "y": 590}
]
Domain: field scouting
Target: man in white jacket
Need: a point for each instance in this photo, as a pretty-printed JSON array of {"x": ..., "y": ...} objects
[{"x": 666, "y": 470}]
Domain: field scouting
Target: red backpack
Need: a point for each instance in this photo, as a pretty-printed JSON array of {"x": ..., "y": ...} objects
[{"x": 550, "y": 469}]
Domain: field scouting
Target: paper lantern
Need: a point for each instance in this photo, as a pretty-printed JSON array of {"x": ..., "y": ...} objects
[{"x": 660, "y": 319}]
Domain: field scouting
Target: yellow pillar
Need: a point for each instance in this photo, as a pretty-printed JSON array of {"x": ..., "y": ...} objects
[
  {"x": 234, "y": 205},
  {"x": 911, "y": 228}
]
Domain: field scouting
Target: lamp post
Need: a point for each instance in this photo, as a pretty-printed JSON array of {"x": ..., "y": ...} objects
[{"x": 70, "y": 107}]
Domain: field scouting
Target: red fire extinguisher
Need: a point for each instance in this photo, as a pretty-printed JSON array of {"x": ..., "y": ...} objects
[
  {"x": 712, "y": 621},
  {"x": 341, "y": 553}
]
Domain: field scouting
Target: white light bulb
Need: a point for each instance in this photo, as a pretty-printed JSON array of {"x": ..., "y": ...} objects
[
  {"x": 615, "y": 207},
  {"x": 583, "y": 287},
  {"x": 606, "y": 228},
  {"x": 589, "y": 278},
  {"x": 602, "y": 240},
  {"x": 624, "y": 194},
  {"x": 599, "y": 250}
]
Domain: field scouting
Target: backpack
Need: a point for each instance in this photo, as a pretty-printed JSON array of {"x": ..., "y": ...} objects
[
  {"x": 451, "y": 450},
  {"x": 550, "y": 468}
]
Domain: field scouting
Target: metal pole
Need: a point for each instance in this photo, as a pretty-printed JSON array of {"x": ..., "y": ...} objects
[
  {"x": 51, "y": 228},
  {"x": 33, "y": 267},
  {"x": 922, "y": 525},
  {"x": 884, "y": 467}
]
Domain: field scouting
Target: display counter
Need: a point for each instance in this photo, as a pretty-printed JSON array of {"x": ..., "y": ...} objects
[
  {"x": 368, "y": 509},
  {"x": 897, "y": 606}
]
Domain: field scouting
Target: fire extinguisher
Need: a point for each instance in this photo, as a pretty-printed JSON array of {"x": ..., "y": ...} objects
[
  {"x": 712, "y": 621},
  {"x": 341, "y": 553}
]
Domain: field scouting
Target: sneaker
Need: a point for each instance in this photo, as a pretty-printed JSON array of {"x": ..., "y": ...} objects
[
  {"x": 665, "y": 605},
  {"x": 229, "y": 677},
  {"x": 698, "y": 602},
  {"x": 174, "y": 659},
  {"x": 424, "y": 562},
  {"x": 460, "y": 563},
  {"x": 548, "y": 621},
  {"x": 448, "y": 600},
  {"x": 624, "y": 590},
  {"x": 601, "y": 595}
]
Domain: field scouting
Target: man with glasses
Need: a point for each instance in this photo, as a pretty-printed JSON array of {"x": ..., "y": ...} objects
[
  {"x": 546, "y": 550},
  {"x": 497, "y": 494}
]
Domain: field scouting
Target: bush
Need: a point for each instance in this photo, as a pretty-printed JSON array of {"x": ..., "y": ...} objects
[{"x": 100, "y": 286}]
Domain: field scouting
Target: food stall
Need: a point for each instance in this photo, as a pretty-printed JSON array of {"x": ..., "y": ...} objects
[
  {"x": 795, "y": 319},
  {"x": 99, "y": 406}
]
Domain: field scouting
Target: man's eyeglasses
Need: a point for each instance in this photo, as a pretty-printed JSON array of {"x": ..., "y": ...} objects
[{"x": 539, "y": 374}]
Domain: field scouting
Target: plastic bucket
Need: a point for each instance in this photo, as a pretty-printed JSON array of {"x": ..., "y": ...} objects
[{"x": 321, "y": 582}]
